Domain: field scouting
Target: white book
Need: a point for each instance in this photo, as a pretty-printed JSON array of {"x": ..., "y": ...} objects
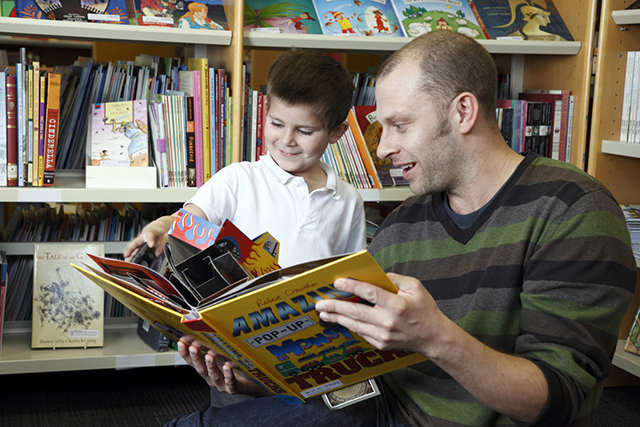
[
  {"x": 21, "y": 122},
  {"x": 3, "y": 129},
  {"x": 254, "y": 126},
  {"x": 626, "y": 100},
  {"x": 567, "y": 157},
  {"x": 634, "y": 126}
]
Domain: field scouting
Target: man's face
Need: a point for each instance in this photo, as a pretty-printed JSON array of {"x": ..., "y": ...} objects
[{"x": 416, "y": 135}]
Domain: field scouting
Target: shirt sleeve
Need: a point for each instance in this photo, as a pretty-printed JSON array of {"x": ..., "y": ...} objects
[{"x": 217, "y": 196}]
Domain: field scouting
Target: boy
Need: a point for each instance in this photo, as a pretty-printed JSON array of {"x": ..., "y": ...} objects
[{"x": 289, "y": 192}]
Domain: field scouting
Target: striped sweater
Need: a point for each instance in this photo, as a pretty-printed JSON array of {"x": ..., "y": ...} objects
[{"x": 546, "y": 272}]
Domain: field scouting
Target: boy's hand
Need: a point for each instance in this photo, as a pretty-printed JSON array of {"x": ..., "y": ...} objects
[
  {"x": 224, "y": 380},
  {"x": 154, "y": 235}
]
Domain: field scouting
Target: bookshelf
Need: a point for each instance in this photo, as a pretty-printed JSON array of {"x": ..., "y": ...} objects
[
  {"x": 614, "y": 163},
  {"x": 534, "y": 65}
]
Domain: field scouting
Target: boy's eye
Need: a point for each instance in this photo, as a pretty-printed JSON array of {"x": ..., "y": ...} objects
[{"x": 306, "y": 132}]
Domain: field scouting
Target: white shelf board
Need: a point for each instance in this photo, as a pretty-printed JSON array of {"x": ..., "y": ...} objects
[
  {"x": 620, "y": 148},
  {"x": 110, "y": 32},
  {"x": 122, "y": 348},
  {"x": 621, "y": 17},
  {"x": 625, "y": 360},
  {"x": 391, "y": 44},
  {"x": 26, "y": 248},
  {"x": 23, "y": 41}
]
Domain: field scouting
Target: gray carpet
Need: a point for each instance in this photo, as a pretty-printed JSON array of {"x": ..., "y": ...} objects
[{"x": 153, "y": 396}]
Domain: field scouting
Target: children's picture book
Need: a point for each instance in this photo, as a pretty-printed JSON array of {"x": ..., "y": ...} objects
[
  {"x": 266, "y": 327},
  {"x": 197, "y": 15},
  {"x": 358, "y": 18},
  {"x": 421, "y": 17},
  {"x": 293, "y": 16},
  {"x": 372, "y": 131},
  {"x": 68, "y": 311},
  {"x": 8, "y": 8},
  {"x": 119, "y": 135},
  {"x": 101, "y": 11},
  {"x": 520, "y": 19}
]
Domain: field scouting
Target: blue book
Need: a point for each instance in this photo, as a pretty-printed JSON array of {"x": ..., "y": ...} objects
[{"x": 361, "y": 18}]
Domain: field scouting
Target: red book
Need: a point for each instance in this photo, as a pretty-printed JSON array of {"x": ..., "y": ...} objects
[
  {"x": 51, "y": 128},
  {"x": 12, "y": 132}
]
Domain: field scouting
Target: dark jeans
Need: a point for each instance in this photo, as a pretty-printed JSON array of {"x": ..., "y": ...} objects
[{"x": 272, "y": 412}]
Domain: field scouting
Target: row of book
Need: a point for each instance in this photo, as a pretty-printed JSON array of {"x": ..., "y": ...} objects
[
  {"x": 397, "y": 18},
  {"x": 630, "y": 122},
  {"x": 101, "y": 222},
  {"x": 540, "y": 121}
]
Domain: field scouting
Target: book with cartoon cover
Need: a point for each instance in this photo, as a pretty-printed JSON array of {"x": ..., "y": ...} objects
[
  {"x": 537, "y": 20},
  {"x": 358, "y": 18},
  {"x": 421, "y": 17},
  {"x": 266, "y": 327},
  {"x": 292, "y": 16},
  {"x": 196, "y": 15},
  {"x": 119, "y": 134},
  {"x": 100, "y": 11}
]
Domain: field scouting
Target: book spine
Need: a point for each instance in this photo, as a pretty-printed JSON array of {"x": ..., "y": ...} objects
[
  {"x": 221, "y": 117},
  {"x": 556, "y": 129},
  {"x": 479, "y": 19},
  {"x": 36, "y": 122},
  {"x": 213, "y": 112},
  {"x": 254, "y": 127},
  {"x": 191, "y": 144},
  {"x": 634, "y": 126},
  {"x": 12, "y": 131},
  {"x": 51, "y": 129},
  {"x": 569, "y": 129},
  {"x": 202, "y": 65},
  {"x": 21, "y": 124},
  {"x": 197, "y": 126},
  {"x": 29, "y": 105},
  {"x": 259, "y": 124},
  {"x": 3, "y": 129},
  {"x": 43, "y": 112}
]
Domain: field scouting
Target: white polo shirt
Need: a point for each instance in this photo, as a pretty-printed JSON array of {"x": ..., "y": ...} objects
[{"x": 261, "y": 197}]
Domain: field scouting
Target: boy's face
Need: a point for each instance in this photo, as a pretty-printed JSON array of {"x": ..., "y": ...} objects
[{"x": 296, "y": 139}]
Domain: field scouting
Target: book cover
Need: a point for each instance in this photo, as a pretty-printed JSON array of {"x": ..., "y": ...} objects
[
  {"x": 520, "y": 19},
  {"x": 632, "y": 343},
  {"x": 420, "y": 17},
  {"x": 292, "y": 16},
  {"x": 268, "y": 328},
  {"x": 197, "y": 15},
  {"x": 119, "y": 135},
  {"x": 68, "y": 311},
  {"x": 371, "y": 131},
  {"x": 7, "y": 8},
  {"x": 358, "y": 17},
  {"x": 101, "y": 11},
  {"x": 51, "y": 129}
]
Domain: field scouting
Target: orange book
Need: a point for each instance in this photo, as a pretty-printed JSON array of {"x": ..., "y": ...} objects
[
  {"x": 51, "y": 129},
  {"x": 363, "y": 150}
]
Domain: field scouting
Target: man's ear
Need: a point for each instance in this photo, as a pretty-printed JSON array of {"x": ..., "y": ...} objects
[
  {"x": 466, "y": 111},
  {"x": 338, "y": 131}
]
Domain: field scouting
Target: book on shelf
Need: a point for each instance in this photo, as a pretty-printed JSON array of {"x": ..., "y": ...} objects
[
  {"x": 559, "y": 117},
  {"x": 52, "y": 120},
  {"x": 152, "y": 337},
  {"x": 190, "y": 82},
  {"x": 630, "y": 120},
  {"x": 119, "y": 134},
  {"x": 420, "y": 17},
  {"x": 3, "y": 128},
  {"x": 267, "y": 326},
  {"x": 520, "y": 20},
  {"x": 12, "y": 130},
  {"x": 7, "y": 8},
  {"x": 202, "y": 65},
  {"x": 197, "y": 15},
  {"x": 100, "y": 11},
  {"x": 371, "y": 131},
  {"x": 3, "y": 291},
  {"x": 361, "y": 18},
  {"x": 293, "y": 16},
  {"x": 68, "y": 311}
]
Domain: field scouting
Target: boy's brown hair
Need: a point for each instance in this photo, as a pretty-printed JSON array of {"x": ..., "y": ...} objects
[{"x": 312, "y": 78}]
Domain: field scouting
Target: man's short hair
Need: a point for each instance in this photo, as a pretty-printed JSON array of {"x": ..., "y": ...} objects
[
  {"x": 450, "y": 64},
  {"x": 315, "y": 79}
]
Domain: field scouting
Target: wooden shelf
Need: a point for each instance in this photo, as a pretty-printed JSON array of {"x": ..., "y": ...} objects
[
  {"x": 391, "y": 44},
  {"x": 621, "y": 17},
  {"x": 122, "y": 349},
  {"x": 110, "y": 32},
  {"x": 620, "y": 148},
  {"x": 626, "y": 361}
]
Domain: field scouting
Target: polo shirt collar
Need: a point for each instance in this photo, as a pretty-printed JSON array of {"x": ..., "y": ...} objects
[{"x": 285, "y": 177}]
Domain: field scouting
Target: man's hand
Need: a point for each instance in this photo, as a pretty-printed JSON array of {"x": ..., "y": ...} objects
[
  {"x": 408, "y": 320},
  {"x": 224, "y": 379}
]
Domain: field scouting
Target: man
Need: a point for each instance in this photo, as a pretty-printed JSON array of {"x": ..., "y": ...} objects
[{"x": 514, "y": 271}]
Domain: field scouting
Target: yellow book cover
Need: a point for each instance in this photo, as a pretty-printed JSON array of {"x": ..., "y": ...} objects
[
  {"x": 43, "y": 92},
  {"x": 269, "y": 328},
  {"x": 36, "y": 123},
  {"x": 202, "y": 65}
]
